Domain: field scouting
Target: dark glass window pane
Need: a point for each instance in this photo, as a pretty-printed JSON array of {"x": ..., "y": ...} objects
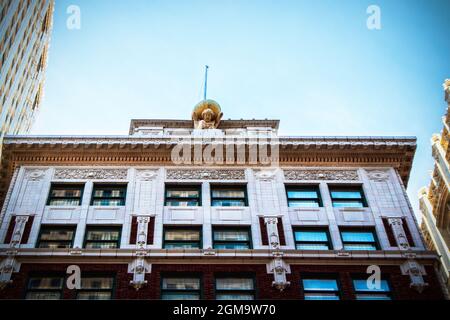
[
  {"x": 320, "y": 285},
  {"x": 57, "y": 234},
  {"x": 317, "y": 236},
  {"x": 187, "y": 235},
  {"x": 346, "y": 194},
  {"x": 45, "y": 283},
  {"x": 303, "y": 204},
  {"x": 103, "y": 235},
  {"x": 305, "y": 194},
  {"x": 181, "y": 283},
  {"x": 231, "y": 235},
  {"x": 183, "y": 193},
  {"x": 223, "y": 193},
  {"x": 234, "y": 284},
  {"x": 97, "y": 283},
  {"x": 354, "y": 236}
]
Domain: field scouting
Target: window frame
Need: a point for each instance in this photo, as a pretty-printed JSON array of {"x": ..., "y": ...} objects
[
  {"x": 321, "y": 276},
  {"x": 182, "y": 187},
  {"x": 305, "y": 187},
  {"x": 360, "y": 276},
  {"x": 45, "y": 275},
  {"x": 63, "y": 186},
  {"x": 376, "y": 242},
  {"x": 312, "y": 228},
  {"x": 182, "y": 227},
  {"x": 181, "y": 275},
  {"x": 236, "y": 275},
  {"x": 100, "y": 186},
  {"x": 349, "y": 188},
  {"x": 55, "y": 226},
  {"x": 94, "y": 227},
  {"x": 240, "y": 187},
  {"x": 232, "y": 227},
  {"x": 99, "y": 275}
]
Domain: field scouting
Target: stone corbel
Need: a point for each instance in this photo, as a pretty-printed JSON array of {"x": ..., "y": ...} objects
[
  {"x": 399, "y": 233},
  {"x": 139, "y": 267},
  {"x": 415, "y": 271},
  {"x": 279, "y": 269},
  {"x": 7, "y": 267}
]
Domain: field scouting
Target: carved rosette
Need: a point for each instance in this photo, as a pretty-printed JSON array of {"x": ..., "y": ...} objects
[
  {"x": 266, "y": 175},
  {"x": 35, "y": 174},
  {"x": 206, "y": 174},
  {"x": 378, "y": 175},
  {"x": 321, "y": 175},
  {"x": 146, "y": 175},
  {"x": 91, "y": 173}
]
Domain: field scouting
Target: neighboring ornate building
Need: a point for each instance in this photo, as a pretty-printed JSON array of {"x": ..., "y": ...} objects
[
  {"x": 25, "y": 28},
  {"x": 435, "y": 200},
  {"x": 210, "y": 209}
]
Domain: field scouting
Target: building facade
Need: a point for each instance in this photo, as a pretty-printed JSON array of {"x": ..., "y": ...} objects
[
  {"x": 211, "y": 209},
  {"x": 25, "y": 28},
  {"x": 435, "y": 200}
]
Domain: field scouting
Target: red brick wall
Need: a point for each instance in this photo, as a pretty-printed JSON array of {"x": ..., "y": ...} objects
[
  {"x": 133, "y": 231},
  {"x": 264, "y": 289},
  {"x": 12, "y": 224}
]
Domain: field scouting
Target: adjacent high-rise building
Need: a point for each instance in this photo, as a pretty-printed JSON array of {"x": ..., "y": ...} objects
[
  {"x": 211, "y": 209},
  {"x": 435, "y": 200},
  {"x": 25, "y": 28}
]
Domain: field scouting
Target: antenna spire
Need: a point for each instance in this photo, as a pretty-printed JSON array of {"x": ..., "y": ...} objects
[{"x": 206, "y": 81}]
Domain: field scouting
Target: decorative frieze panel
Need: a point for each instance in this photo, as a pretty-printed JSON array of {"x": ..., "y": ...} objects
[
  {"x": 206, "y": 174},
  {"x": 321, "y": 174},
  {"x": 91, "y": 173}
]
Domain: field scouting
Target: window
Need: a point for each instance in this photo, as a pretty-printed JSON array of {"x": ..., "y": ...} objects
[
  {"x": 359, "y": 239},
  {"x": 303, "y": 196},
  {"x": 312, "y": 239},
  {"x": 231, "y": 238},
  {"x": 96, "y": 288},
  {"x": 183, "y": 196},
  {"x": 348, "y": 197},
  {"x": 55, "y": 237},
  {"x": 231, "y": 196},
  {"x": 320, "y": 288},
  {"x": 180, "y": 288},
  {"x": 363, "y": 292},
  {"x": 235, "y": 288},
  {"x": 182, "y": 238},
  {"x": 102, "y": 238},
  {"x": 44, "y": 288},
  {"x": 65, "y": 195},
  {"x": 109, "y": 195}
]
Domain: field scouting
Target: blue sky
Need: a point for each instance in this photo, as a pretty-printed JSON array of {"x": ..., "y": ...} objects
[{"x": 312, "y": 64}]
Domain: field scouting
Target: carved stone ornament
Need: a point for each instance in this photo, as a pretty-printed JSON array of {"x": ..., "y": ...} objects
[
  {"x": 378, "y": 175},
  {"x": 139, "y": 267},
  {"x": 415, "y": 271},
  {"x": 34, "y": 174},
  {"x": 91, "y": 173},
  {"x": 321, "y": 174},
  {"x": 266, "y": 175},
  {"x": 146, "y": 175},
  {"x": 207, "y": 115},
  {"x": 279, "y": 269},
  {"x": 399, "y": 233},
  {"x": 206, "y": 174}
]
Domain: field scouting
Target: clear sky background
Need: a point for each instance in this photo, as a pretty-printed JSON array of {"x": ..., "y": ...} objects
[{"x": 312, "y": 64}]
